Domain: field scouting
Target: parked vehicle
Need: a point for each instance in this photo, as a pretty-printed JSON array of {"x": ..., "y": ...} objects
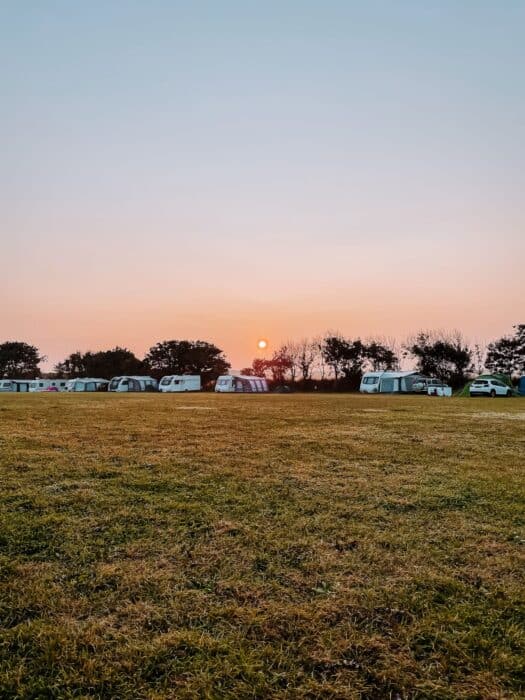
[
  {"x": 421, "y": 386},
  {"x": 489, "y": 387},
  {"x": 123, "y": 384},
  {"x": 87, "y": 384},
  {"x": 6, "y": 385},
  {"x": 440, "y": 389},
  {"x": 238, "y": 383},
  {"x": 389, "y": 382},
  {"x": 180, "y": 382},
  {"x": 44, "y": 385}
]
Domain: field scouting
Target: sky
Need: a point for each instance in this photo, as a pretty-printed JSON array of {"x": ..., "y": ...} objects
[{"x": 235, "y": 170}]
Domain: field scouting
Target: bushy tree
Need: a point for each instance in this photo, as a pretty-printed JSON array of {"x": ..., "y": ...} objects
[
  {"x": 442, "y": 355},
  {"x": 275, "y": 368},
  {"x": 187, "y": 357},
  {"x": 346, "y": 358},
  {"x": 104, "y": 364},
  {"x": 507, "y": 355},
  {"x": 380, "y": 355},
  {"x": 19, "y": 360}
]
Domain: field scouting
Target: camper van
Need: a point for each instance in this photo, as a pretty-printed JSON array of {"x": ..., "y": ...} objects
[
  {"x": 388, "y": 382},
  {"x": 122, "y": 384},
  {"x": 48, "y": 385},
  {"x": 238, "y": 383},
  {"x": 87, "y": 384},
  {"x": 180, "y": 382}
]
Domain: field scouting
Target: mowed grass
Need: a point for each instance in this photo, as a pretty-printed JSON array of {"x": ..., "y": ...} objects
[{"x": 203, "y": 546}]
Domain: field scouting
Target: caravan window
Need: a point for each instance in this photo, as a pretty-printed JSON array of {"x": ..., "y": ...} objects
[
  {"x": 370, "y": 380},
  {"x": 166, "y": 381}
]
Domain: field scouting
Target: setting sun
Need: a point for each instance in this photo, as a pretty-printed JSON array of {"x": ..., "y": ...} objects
[{"x": 262, "y": 344}]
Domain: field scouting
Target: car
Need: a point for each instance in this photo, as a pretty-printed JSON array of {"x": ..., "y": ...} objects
[
  {"x": 422, "y": 385},
  {"x": 489, "y": 387}
]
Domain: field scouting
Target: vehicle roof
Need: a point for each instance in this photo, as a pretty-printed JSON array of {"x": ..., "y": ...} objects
[
  {"x": 391, "y": 374},
  {"x": 239, "y": 376}
]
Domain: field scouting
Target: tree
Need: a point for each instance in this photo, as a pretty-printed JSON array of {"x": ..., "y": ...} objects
[
  {"x": 187, "y": 357},
  {"x": 507, "y": 355},
  {"x": 104, "y": 364},
  {"x": 446, "y": 356},
  {"x": 73, "y": 366},
  {"x": 307, "y": 353},
  {"x": 289, "y": 352},
  {"x": 276, "y": 367},
  {"x": 380, "y": 356},
  {"x": 346, "y": 359},
  {"x": 19, "y": 360}
]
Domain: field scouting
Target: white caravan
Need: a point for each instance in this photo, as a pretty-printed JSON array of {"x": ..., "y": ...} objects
[
  {"x": 122, "y": 384},
  {"x": 48, "y": 385},
  {"x": 21, "y": 385},
  {"x": 15, "y": 385},
  {"x": 388, "y": 382},
  {"x": 238, "y": 383},
  {"x": 180, "y": 382},
  {"x": 87, "y": 384}
]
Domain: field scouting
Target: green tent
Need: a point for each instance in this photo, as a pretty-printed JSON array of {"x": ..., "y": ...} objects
[{"x": 501, "y": 377}]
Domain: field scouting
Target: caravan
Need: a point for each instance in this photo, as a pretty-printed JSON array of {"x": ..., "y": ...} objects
[
  {"x": 180, "y": 382},
  {"x": 38, "y": 385},
  {"x": 123, "y": 384},
  {"x": 238, "y": 383},
  {"x": 389, "y": 382},
  {"x": 87, "y": 384}
]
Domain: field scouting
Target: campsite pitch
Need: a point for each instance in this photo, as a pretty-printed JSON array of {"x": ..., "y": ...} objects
[{"x": 292, "y": 546}]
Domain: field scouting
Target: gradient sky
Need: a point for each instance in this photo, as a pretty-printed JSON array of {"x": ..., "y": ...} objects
[{"x": 237, "y": 169}]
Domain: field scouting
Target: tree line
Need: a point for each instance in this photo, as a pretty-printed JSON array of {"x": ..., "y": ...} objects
[{"x": 329, "y": 361}]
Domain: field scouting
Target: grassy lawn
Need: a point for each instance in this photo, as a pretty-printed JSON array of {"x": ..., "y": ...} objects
[{"x": 203, "y": 546}]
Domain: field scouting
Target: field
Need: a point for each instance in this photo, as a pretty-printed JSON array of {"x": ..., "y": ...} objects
[{"x": 204, "y": 546}]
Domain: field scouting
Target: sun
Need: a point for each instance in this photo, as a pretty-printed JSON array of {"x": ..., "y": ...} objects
[{"x": 262, "y": 344}]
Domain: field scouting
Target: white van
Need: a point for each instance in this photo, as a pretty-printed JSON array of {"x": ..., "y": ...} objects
[
  {"x": 180, "y": 382},
  {"x": 122, "y": 384},
  {"x": 238, "y": 383},
  {"x": 87, "y": 384},
  {"x": 48, "y": 385}
]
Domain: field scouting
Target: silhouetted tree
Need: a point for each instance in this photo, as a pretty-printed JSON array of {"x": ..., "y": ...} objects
[
  {"x": 19, "y": 360},
  {"x": 187, "y": 357},
  {"x": 380, "y": 356},
  {"x": 73, "y": 366},
  {"x": 346, "y": 359},
  {"x": 437, "y": 354},
  {"x": 104, "y": 364},
  {"x": 507, "y": 355}
]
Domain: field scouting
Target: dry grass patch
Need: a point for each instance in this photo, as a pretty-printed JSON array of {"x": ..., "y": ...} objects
[{"x": 210, "y": 546}]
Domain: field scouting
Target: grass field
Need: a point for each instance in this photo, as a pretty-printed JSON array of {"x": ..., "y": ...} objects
[{"x": 204, "y": 546}]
